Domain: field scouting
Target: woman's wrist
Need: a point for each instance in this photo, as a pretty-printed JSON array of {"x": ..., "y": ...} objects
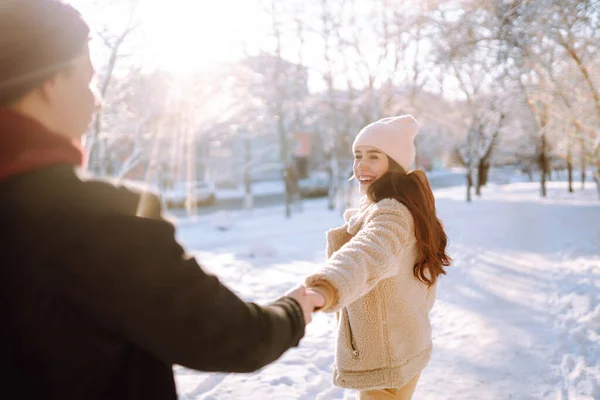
[{"x": 327, "y": 290}]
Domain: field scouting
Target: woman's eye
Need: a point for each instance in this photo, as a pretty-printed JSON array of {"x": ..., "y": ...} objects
[{"x": 374, "y": 158}]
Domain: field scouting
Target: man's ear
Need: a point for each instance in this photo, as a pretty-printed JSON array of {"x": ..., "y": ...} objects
[{"x": 47, "y": 90}]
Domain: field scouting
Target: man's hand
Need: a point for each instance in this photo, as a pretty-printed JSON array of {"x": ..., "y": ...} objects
[{"x": 308, "y": 299}]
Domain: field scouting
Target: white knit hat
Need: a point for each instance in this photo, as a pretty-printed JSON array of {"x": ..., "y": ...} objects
[{"x": 394, "y": 136}]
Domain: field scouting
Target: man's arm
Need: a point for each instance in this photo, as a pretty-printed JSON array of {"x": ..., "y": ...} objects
[{"x": 131, "y": 276}]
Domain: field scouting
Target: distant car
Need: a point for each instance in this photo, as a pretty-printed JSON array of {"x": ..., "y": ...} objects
[
  {"x": 316, "y": 185},
  {"x": 201, "y": 193}
]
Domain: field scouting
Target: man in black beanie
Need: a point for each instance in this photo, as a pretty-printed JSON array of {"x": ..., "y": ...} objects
[{"x": 98, "y": 299}]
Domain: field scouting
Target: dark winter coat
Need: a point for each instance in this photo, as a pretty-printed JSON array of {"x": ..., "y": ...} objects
[{"x": 98, "y": 303}]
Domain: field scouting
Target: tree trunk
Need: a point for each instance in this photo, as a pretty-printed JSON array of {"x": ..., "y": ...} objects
[
  {"x": 284, "y": 160},
  {"x": 543, "y": 162},
  {"x": 482, "y": 176},
  {"x": 570, "y": 171},
  {"x": 190, "y": 162},
  {"x": 597, "y": 179},
  {"x": 279, "y": 81},
  {"x": 585, "y": 72},
  {"x": 288, "y": 202},
  {"x": 483, "y": 169},
  {"x": 543, "y": 184},
  {"x": 529, "y": 172},
  {"x": 479, "y": 180},
  {"x": 248, "y": 198},
  {"x": 332, "y": 171},
  {"x": 583, "y": 163},
  {"x": 114, "y": 56},
  {"x": 469, "y": 184},
  {"x": 597, "y": 172},
  {"x": 92, "y": 149}
]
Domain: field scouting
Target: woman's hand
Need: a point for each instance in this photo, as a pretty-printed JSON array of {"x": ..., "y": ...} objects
[{"x": 308, "y": 299}]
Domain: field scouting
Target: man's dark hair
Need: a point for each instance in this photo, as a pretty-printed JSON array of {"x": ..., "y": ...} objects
[{"x": 38, "y": 39}]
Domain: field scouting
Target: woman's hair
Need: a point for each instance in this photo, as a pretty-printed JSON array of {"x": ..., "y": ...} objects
[{"x": 414, "y": 192}]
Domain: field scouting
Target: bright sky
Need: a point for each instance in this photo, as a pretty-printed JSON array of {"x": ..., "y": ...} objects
[
  {"x": 184, "y": 35},
  {"x": 193, "y": 34}
]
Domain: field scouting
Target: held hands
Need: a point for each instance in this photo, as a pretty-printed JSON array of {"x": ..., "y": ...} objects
[{"x": 308, "y": 299}]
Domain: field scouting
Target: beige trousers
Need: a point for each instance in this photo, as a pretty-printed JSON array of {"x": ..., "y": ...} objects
[{"x": 403, "y": 393}]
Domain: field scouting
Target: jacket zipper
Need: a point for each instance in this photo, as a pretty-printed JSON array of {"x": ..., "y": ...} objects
[{"x": 350, "y": 336}]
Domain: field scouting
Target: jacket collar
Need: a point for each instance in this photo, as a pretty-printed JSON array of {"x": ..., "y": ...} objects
[
  {"x": 26, "y": 145},
  {"x": 355, "y": 217}
]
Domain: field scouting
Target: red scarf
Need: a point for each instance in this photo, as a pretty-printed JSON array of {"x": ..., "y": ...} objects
[{"x": 26, "y": 145}]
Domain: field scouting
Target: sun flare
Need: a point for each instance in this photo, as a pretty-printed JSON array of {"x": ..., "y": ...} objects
[{"x": 184, "y": 35}]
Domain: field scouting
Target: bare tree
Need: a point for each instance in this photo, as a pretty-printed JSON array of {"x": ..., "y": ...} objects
[
  {"x": 471, "y": 52},
  {"x": 113, "y": 41},
  {"x": 547, "y": 38},
  {"x": 577, "y": 33}
]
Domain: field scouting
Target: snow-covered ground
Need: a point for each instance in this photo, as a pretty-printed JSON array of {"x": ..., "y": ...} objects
[
  {"x": 258, "y": 189},
  {"x": 266, "y": 188},
  {"x": 517, "y": 317}
]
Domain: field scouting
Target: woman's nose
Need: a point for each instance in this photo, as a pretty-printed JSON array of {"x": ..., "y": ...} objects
[{"x": 361, "y": 166}]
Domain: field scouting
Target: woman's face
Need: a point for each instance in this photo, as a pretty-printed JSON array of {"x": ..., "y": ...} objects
[{"x": 369, "y": 165}]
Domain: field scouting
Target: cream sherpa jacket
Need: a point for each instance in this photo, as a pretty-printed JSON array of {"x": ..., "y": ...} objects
[{"x": 384, "y": 333}]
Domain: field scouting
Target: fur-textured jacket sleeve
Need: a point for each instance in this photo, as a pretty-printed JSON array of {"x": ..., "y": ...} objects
[{"x": 381, "y": 232}]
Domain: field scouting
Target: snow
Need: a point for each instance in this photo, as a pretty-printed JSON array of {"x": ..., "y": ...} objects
[
  {"x": 277, "y": 187},
  {"x": 264, "y": 188},
  {"x": 517, "y": 316}
]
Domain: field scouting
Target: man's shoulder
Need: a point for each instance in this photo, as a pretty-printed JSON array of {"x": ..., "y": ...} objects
[
  {"x": 54, "y": 207},
  {"x": 124, "y": 197},
  {"x": 60, "y": 193}
]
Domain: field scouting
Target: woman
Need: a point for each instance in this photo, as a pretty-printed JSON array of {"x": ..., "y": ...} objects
[{"x": 383, "y": 266}]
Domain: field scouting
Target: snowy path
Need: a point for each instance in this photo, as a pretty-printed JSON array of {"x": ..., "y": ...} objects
[
  {"x": 497, "y": 322},
  {"x": 517, "y": 316}
]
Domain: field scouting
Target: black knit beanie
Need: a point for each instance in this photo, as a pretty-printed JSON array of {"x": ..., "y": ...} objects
[{"x": 38, "y": 38}]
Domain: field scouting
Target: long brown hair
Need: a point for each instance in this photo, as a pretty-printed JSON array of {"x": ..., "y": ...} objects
[{"x": 413, "y": 190}]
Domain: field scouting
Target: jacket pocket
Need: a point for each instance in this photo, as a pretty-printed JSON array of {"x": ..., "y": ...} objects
[{"x": 349, "y": 336}]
